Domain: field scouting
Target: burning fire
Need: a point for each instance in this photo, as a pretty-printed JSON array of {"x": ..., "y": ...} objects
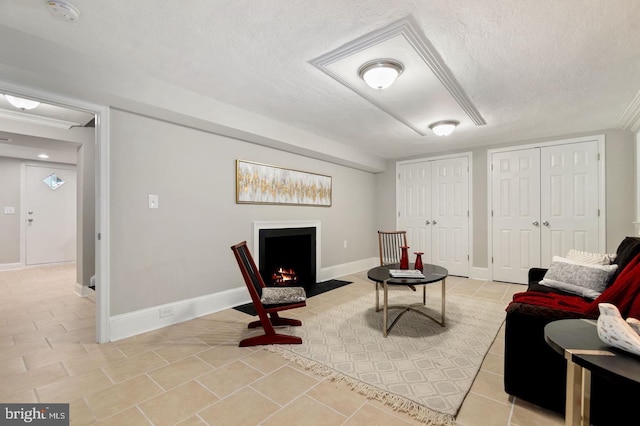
[{"x": 284, "y": 276}]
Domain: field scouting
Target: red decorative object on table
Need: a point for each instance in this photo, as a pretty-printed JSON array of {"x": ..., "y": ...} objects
[
  {"x": 418, "y": 264},
  {"x": 404, "y": 257}
]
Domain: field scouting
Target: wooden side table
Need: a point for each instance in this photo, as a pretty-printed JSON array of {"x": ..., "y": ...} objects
[{"x": 577, "y": 340}]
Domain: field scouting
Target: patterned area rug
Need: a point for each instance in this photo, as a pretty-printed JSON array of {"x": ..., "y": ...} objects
[{"x": 421, "y": 368}]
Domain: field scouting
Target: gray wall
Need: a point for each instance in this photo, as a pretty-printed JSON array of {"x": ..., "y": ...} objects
[
  {"x": 620, "y": 184},
  {"x": 182, "y": 250},
  {"x": 386, "y": 198},
  {"x": 10, "y": 172},
  {"x": 621, "y": 195},
  {"x": 86, "y": 222}
]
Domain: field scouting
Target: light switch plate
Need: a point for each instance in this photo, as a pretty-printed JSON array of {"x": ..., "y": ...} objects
[
  {"x": 153, "y": 201},
  {"x": 9, "y": 210}
]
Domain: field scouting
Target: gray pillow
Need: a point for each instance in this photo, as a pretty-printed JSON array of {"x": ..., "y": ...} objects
[{"x": 582, "y": 279}]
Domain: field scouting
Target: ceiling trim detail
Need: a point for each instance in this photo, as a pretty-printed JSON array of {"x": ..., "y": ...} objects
[
  {"x": 37, "y": 119},
  {"x": 405, "y": 27},
  {"x": 432, "y": 58},
  {"x": 630, "y": 120}
]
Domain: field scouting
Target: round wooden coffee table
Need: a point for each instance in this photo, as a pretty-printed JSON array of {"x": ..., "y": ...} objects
[{"x": 381, "y": 276}]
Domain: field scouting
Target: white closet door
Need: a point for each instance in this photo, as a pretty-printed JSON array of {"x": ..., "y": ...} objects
[
  {"x": 569, "y": 201},
  {"x": 450, "y": 214},
  {"x": 515, "y": 179},
  {"x": 414, "y": 206}
]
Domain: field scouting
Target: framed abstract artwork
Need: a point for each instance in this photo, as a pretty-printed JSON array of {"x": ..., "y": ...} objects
[{"x": 263, "y": 184}]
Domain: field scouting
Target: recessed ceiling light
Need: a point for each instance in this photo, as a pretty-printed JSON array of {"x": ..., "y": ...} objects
[
  {"x": 43, "y": 156},
  {"x": 444, "y": 128},
  {"x": 63, "y": 10},
  {"x": 380, "y": 73},
  {"x": 21, "y": 103}
]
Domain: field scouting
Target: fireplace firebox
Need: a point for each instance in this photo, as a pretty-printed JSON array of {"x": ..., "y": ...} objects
[{"x": 287, "y": 256}]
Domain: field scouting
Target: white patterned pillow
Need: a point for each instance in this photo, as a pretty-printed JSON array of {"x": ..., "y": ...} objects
[
  {"x": 278, "y": 295},
  {"x": 591, "y": 258},
  {"x": 578, "y": 278}
]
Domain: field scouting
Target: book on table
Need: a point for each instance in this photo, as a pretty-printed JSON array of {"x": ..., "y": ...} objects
[{"x": 406, "y": 273}]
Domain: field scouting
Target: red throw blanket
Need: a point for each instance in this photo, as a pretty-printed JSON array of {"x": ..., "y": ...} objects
[
  {"x": 552, "y": 300},
  {"x": 624, "y": 293}
]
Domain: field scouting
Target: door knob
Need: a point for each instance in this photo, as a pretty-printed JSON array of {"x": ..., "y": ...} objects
[
  {"x": 545, "y": 223},
  {"x": 536, "y": 223},
  {"x": 29, "y": 220},
  {"x": 30, "y": 212},
  {"x": 434, "y": 222},
  {"x": 427, "y": 222}
]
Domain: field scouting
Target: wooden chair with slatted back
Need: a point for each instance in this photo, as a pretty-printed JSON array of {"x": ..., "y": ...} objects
[
  {"x": 281, "y": 298},
  {"x": 389, "y": 243}
]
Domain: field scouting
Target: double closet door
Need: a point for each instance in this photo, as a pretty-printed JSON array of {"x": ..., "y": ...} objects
[
  {"x": 433, "y": 207},
  {"x": 545, "y": 201}
]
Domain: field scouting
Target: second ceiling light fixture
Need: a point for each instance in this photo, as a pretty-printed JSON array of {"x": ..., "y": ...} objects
[{"x": 379, "y": 74}]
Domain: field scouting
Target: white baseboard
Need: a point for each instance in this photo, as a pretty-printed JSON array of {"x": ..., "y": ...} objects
[
  {"x": 133, "y": 323},
  {"x": 10, "y": 266},
  {"x": 82, "y": 290},
  {"x": 480, "y": 274},
  {"x": 338, "y": 271}
]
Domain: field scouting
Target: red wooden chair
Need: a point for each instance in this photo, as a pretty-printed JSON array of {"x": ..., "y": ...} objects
[{"x": 268, "y": 301}]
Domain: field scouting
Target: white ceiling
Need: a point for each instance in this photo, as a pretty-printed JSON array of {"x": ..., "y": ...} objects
[
  {"x": 47, "y": 129},
  {"x": 532, "y": 68}
]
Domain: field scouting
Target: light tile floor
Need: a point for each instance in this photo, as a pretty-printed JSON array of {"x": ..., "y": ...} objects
[{"x": 194, "y": 373}]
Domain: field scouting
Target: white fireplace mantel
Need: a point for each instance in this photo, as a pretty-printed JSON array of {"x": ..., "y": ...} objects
[{"x": 282, "y": 224}]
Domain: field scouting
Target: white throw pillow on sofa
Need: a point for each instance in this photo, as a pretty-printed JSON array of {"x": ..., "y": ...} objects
[
  {"x": 578, "y": 278},
  {"x": 591, "y": 258}
]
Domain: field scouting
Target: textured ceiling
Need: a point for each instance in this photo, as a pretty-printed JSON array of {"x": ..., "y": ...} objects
[{"x": 532, "y": 68}]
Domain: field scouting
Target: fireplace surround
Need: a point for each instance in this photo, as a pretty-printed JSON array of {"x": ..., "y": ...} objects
[
  {"x": 287, "y": 256},
  {"x": 293, "y": 246}
]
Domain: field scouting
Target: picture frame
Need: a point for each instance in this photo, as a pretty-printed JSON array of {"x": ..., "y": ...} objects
[{"x": 258, "y": 183}]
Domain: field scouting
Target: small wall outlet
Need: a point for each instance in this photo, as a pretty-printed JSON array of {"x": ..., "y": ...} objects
[
  {"x": 153, "y": 201},
  {"x": 345, "y": 243},
  {"x": 167, "y": 311},
  {"x": 9, "y": 210}
]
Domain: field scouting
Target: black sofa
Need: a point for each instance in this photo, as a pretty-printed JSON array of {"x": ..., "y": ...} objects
[{"x": 536, "y": 373}]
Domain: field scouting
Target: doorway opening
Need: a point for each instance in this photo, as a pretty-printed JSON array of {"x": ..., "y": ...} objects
[{"x": 92, "y": 179}]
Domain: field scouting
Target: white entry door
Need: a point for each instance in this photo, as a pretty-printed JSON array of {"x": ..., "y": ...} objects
[
  {"x": 515, "y": 211},
  {"x": 433, "y": 206},
  {"x": 450, "y": 215},
  {"x": 569, "y": 201},
  {"x": 50, "y": 204}
]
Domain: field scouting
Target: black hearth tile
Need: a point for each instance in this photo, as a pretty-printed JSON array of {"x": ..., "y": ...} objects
[{"x": 315, "y": 290}]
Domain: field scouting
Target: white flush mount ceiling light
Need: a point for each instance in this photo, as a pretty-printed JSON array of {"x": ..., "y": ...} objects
[
  {"x": 43, "y": 156},
  {"x": 63, "y": 10},
  {"x": 380, "y": 73},
  {"x": 444, "y": 128},
  {"x": 21, "y": 103}
]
